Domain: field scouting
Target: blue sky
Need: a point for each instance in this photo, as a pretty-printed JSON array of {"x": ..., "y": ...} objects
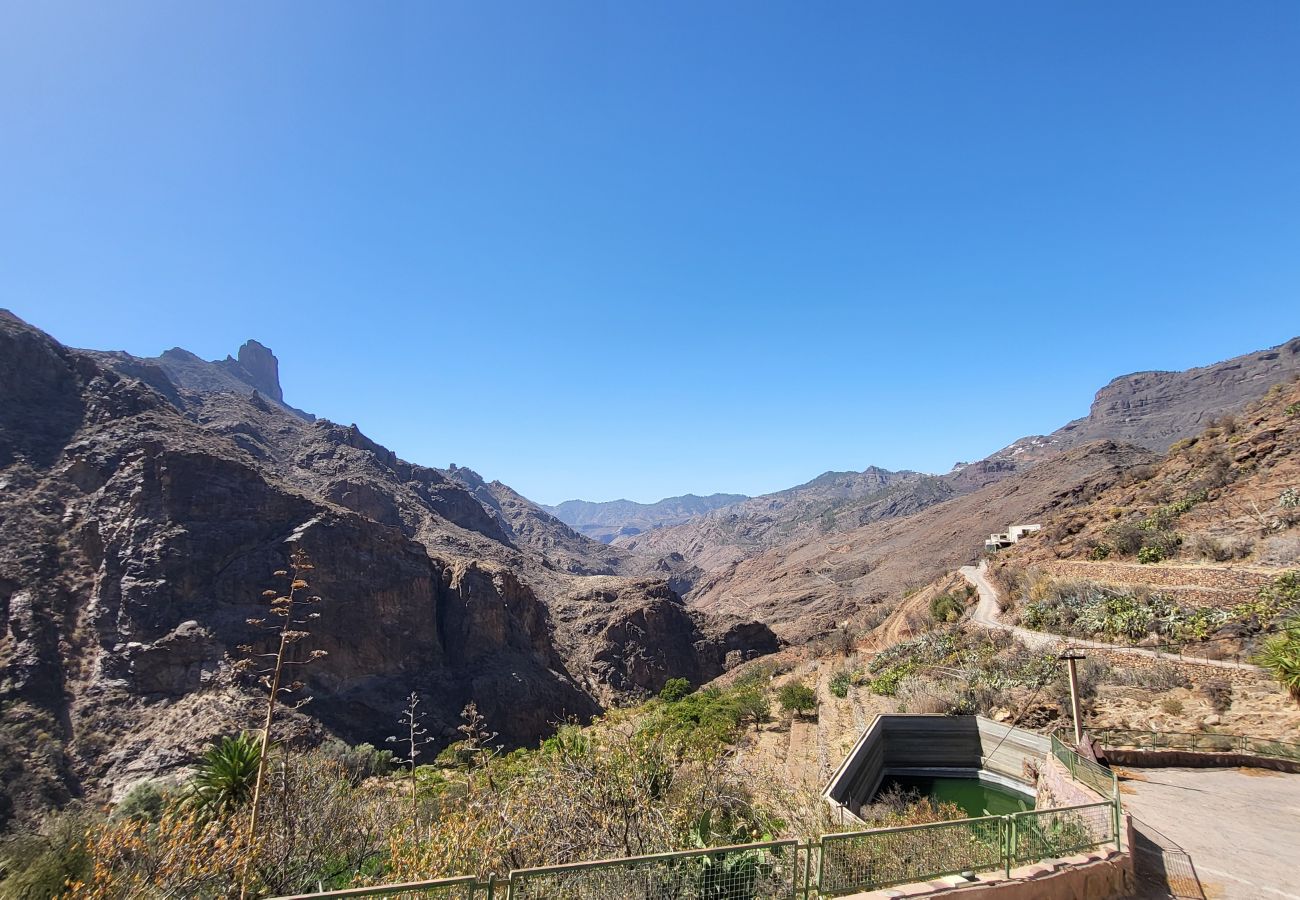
[{"x": 609, "y": 250}]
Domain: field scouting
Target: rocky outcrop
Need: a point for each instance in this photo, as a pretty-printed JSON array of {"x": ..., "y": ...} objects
[
  {"x": 258, "y": 366},
  {"x": 631, "y": 637},
  {"x": 1155, "y": 409},
  {"x": 140, "y": 522}
]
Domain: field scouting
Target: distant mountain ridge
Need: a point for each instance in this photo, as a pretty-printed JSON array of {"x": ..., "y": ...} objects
[
  {"x": 605, "y": 521},
  {"x": 1148, "y": 410}
]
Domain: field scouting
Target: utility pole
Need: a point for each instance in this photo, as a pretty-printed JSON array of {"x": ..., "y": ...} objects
[{"x": 1070, "y": 660}]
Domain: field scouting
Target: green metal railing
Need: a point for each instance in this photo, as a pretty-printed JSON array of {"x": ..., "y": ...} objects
[
  {"x": 1046, "y": 833},
  {"x": 1201, "y": 742},
  {"x": 867, "y": 860},
  {"x": 771, "y": 869},
  {"x": 462, "y": 888},
  {"x": 1086, "y": 771},
  {"x": 794, "y": 870}
]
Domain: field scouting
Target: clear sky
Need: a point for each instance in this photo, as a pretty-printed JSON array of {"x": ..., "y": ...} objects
[{"x": 616, "y": 249}]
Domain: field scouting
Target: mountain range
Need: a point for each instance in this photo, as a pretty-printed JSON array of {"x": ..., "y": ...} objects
[
  {"x": 610, "y": 519},
  {"x": 145, "y": 503}
]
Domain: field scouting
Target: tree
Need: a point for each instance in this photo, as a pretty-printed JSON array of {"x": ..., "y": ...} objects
[
  {"x": 674, "y": 689},
  {"x": 797, "y": 697},
  {"x": 416, "y": 739}
]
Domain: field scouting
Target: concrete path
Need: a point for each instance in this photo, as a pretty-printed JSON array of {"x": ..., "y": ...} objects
[
  {"x": 1240, "y": 826},
  {"x": 986, "y": 616}
]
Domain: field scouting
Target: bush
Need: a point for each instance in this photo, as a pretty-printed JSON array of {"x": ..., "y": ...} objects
[
  {"x": 144, "y": 803},
  {"x": 674, "y": 689},
  {"x": 224, "y": 779},
  {"x": 1100, "y": 552},
  {"x": 946, "y": 608},
  {"x": 360, "y": 762},
  {"x": 842, "y": 641},
  {"x": 796, "y": 697},
  {"x": 1218, "y": 691},
  {"x": 1161, "y": 676},
  {"x": 886, "y": 683},
  {"x": 1126, "y": 537},
  {"x": 36, "y": 866},
  {"x": 1172, "y": 706},
  {"x": 840, "y": 683},
  {"x": 1215, "y": 549},
  {"x": 1150, "y": 555},
  {"x": 1281, "y": 656}
]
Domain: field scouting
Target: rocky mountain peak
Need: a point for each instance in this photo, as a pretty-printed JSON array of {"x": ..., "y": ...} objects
[{"x": 260, "y": 367}]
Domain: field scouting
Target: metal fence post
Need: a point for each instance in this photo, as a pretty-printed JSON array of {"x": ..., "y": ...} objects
[{"x": 1009, "y": 844}]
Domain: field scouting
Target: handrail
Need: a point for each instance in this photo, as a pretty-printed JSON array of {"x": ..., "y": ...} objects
[
  {"x": 866, "y": 859},
  {"x": 1203, "y": 741}
]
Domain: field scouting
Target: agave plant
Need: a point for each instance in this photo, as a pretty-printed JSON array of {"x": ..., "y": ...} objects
[
  {"x": 1281, "y": 656},
  {"x": 225, "y": 777}
]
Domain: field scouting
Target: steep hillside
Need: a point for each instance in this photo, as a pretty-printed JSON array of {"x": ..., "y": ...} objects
[
  {"x": 832, "y": 502},
  {"x": 141, "y": 519},
  {"x": 1155, "y": 409},
  {"x": 624, "y": 518},
  {"x": 1217, "y": 496},
  {"x": 1199, "y": 549},
  {"x": 1146, "y": 409},
  {"x": 810, "y": 586}
]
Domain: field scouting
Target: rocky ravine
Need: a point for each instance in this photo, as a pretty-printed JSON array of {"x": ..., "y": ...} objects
[{"x": 144, "y": 505}]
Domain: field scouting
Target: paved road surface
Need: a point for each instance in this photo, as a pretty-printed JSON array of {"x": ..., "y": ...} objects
[
  {"x": 986, "y": 616},
  {"x": 1241, "y": 826}
]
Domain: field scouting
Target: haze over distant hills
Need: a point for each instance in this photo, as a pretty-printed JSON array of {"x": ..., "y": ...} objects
[{"x": 607, "y": 520}]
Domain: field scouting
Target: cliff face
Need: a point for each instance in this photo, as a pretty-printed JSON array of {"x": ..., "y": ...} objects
[
  {"x": 141, "y": 519},
  {"x": 1155, "y": 409}
]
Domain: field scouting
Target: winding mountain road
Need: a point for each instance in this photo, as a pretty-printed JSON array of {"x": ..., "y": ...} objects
[{"x": 986, "y": 616}]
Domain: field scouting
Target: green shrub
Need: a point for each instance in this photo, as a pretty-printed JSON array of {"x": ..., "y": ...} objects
[
  {"x": 797, "y": 697},
  {"x": 1100, "y": 552},
  {"x": 37, "y": 866},
  {"x": 144, "y": 803},
  {"x": 886, "y": 683},
  {"x": 224, "y": 779},
  {"x": 712, "y": 715},
  {"x": 840, "y": 683},
  {"x": 674, "y": 689},
  {"x": 360, "y": 762},
  {"x": 946, "y": 608},
  {"x": 1151, "y": 555},
  {"x": 1281, "y": 656},
  {"x": 1293, "y": 409}
]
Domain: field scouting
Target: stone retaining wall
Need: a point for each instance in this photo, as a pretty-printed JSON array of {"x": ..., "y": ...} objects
[
  {"x": 1194, "y": 585},
  {"x": 1196, "y": 759}
]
